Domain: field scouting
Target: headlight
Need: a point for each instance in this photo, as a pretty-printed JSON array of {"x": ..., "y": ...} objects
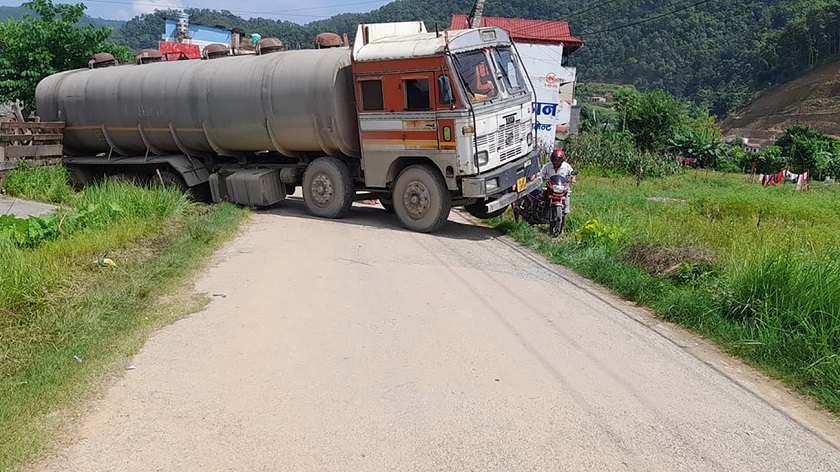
[
  {"x": 492, "y": 184},
  {"x": 558, "y": 188},
  {"x": 482, "y": 158},
  {"x": 530, "y": 139}
]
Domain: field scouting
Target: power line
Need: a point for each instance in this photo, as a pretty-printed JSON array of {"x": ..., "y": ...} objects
[
  {"x": 672, "y": 12},
  {"x": 587, "y": 10},
  {"x": 535, "y": 28}
]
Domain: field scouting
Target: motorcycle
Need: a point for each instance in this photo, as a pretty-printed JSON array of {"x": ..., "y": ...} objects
[{"x": 545, "y": 206}]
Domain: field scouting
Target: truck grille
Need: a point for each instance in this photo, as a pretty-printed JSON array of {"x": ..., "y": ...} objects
[{"x": 507, "y": 140}]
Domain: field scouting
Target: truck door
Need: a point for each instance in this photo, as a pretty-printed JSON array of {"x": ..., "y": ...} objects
[
  {"x": 444, "y": 98},
  {"x": 419, "y": 119}
]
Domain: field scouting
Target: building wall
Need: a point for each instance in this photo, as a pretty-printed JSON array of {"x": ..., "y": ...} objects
[
  {"x": 201, "y": 35},
  {"x": 553, "y": 84}
]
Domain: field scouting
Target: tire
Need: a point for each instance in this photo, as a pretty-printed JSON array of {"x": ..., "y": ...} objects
[
  {"x": 479, "y": 210},
  {"x": 328, "y": 188},
  {"x": 170, "y": 179},
  {"x": 78, "y": 177},
  {"x": 555, "y": 222},
  {"x": 421, "y": 200}
]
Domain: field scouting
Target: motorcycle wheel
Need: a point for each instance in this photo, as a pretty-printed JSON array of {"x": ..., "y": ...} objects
[
  {"x": 553, "y": 228},
  {"x": 554, "y": 222}
]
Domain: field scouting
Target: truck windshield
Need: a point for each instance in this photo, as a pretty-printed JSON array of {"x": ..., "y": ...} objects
[
  {"x": 477, "y": 75},
  {"x": 509, "y": 67}
]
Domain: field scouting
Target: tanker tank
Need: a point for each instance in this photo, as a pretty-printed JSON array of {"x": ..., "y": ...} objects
[{"x": 293, "y": 102}]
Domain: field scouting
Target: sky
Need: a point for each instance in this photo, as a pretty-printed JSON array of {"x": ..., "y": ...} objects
[{"x": 290, "y": 10}]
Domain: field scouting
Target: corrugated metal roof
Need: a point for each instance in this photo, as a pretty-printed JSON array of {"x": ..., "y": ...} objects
[{"x": 527, "y": 31}]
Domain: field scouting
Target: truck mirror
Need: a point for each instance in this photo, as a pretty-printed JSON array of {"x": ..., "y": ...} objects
[{"x": 445, "y": 90}]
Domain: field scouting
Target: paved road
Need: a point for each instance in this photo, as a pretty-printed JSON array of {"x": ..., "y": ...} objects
[
  {"x": 355, "y": 346},
  {"x": 23, "y": 208}
]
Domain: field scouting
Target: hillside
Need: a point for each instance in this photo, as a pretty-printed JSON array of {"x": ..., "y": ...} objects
[
  {"x": 16, "y": 13},
  {"x": 813, "y": 100}
]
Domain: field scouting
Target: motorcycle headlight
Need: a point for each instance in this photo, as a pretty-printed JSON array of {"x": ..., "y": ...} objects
[
  {"x": 558, "y": 188},
  {"x": 482, "y": 158}
]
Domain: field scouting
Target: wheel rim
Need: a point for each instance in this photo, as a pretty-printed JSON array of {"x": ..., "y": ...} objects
[
  {"x": 416, "y": 200},
  {"x": 321, "y": 190}
]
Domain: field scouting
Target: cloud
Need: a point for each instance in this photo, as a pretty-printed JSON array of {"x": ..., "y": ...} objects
[{"x": 148, "y": 6}]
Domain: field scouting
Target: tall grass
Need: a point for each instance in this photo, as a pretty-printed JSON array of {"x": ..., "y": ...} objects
[
  {"x": 47, "y": 184},
  {"x": 773, "y": 293},
  {"x": 58, "y": 304},
  {"x": 614, "y": 153}
]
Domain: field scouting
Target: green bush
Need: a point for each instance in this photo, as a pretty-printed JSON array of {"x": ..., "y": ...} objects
[
  {"x": 616, "y": 153},
  {"x": 809, "y": 150},
  {"x": 593, "y": 232}
]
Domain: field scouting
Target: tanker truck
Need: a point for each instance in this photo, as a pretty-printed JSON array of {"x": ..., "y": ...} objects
[{"x": 423, "y": 121}]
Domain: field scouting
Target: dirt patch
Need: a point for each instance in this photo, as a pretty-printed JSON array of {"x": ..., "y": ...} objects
[{"x": 668, "y": 261}]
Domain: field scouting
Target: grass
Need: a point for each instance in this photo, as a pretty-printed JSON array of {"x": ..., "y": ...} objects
[
  {"x": 767, "y": 288},
  {"x": 46, "y": 184},
  {"x": 57, "y": 304}
]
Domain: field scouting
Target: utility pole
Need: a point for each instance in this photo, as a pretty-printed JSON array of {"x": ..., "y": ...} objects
[{"x": 474, "y": 19}]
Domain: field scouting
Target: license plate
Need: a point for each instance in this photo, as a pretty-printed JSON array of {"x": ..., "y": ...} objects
[{"x": 521, "y": 184}]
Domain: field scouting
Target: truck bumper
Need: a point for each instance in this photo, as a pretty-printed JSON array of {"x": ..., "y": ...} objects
[{"x": 498, "y": 186}]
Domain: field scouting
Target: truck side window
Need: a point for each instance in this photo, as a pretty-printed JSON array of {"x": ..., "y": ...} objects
[
  {"x": 417, "y": 95},
  {"x": 372, "y": 99}
]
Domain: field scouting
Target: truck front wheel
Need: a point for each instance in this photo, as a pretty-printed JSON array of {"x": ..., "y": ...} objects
[
  {"x": 421, "y": 199},
  {"x": 328, "y": 188}
]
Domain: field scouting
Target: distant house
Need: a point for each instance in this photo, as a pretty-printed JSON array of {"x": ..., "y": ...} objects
[
  {"x": 199, "y": 35},
  {"x": 598, "y": 99},
  {"x": 182, "y": 39}
]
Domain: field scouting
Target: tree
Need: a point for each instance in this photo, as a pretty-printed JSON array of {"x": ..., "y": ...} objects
[
  {"x": 655, "y": 118},
  {"x": 38, "y": 46}
]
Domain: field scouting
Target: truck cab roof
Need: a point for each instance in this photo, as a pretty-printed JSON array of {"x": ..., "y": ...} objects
[{"x": 409, "y": 40}]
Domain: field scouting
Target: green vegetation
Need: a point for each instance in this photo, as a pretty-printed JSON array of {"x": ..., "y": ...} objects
[
  {"x": 615, "y": 153},
  {"x": 45, "y": 43},
  {"x": 74, "y": 307},
  {"x": 755, "y": 269},
  {"x": 48, "y": 184}
]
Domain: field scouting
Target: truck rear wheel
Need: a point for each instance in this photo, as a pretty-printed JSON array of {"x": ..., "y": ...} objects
[
  {"x": 167, "y": 178},
  {"x": 78, "y": 177},
  {"x": 421, "y": 199},
  {"x": 328, "y": 188}
]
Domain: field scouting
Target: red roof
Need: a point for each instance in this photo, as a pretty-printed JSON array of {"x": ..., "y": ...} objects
[{"x": 527, "y": 31}]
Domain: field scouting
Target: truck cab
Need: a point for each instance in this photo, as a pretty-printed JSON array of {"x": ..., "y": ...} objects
[{"x": 455, "y": 102}]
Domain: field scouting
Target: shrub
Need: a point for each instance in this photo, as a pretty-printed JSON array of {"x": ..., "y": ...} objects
[{"x": 615, "y": 152}]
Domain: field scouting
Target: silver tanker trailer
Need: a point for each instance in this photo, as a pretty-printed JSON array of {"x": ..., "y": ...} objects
[{"x": 423, "y": 121}]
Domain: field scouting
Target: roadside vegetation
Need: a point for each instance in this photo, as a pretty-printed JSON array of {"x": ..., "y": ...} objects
[
  {"x": 754, "y": 268},
  {"x": 80, "y": 290}
]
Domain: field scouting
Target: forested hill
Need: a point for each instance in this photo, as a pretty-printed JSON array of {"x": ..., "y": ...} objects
[
  {"x": 717, "y": 52},
  {"x": 16, "y": 13}
]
